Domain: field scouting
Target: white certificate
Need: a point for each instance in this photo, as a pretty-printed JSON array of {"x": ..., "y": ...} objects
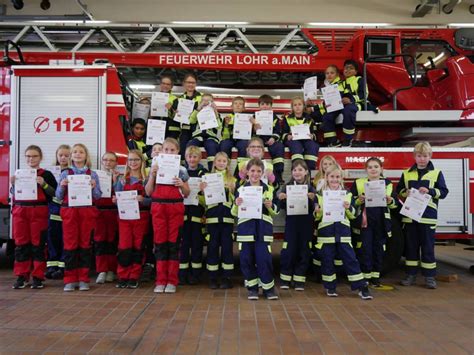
[
  {"x": 332, "y": 98},
  {"x": 415, "y": 205},
  {"x": 26, "y": 186},
  {"x": 375, "y": 195},
  {"x": 242, "y": 126},
  {"x": 333, "y": 205},
  {"x": 55, "y": 170},
  {"x": 214, "y": 191},
  {"x": 207, "y": 118},
  {"x": 127, "y": 205},
  {"x": 251, "y": 206},
  {"x": 79, "y": 190},
  {"x": 184, "y": 110},
  {"x": 105, "y": 181},
  {"x": 310, "y": 88},
  {"x": 168, "y": 168},
  {"x": 158, "y": 104},
  {"x": 140, "y": 111},
  {"x": 300, "y": 132},
  {"x": 296, "y": 200},
  {"x": 265, "y": 120},
  {"x": 155, "y": 131},
  {"x": 193, "y": 198}
]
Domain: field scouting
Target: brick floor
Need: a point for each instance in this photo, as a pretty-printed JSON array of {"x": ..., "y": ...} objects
[{"x": 199, "y": 320}]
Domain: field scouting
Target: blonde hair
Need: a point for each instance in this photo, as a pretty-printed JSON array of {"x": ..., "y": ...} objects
[
  {"x": 320, "y": 174},
  {"x": 207, "y": 95},
  {"x": 62, "y": 146},
  {"x": 193, "y": 150},
  {"x": 332, "y": 169},
  {"x": 171, "y": 141},
  {"x": 423, "y": 148},
  {"x": 142, "y": 166},
  {"x": 229, "y": 180},
  {"x": 88, "y": 162},
  {"x": 296, "y": 98}
]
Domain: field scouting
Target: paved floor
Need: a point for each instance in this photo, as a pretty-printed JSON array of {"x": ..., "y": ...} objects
[{"x": 412, "y": 320}]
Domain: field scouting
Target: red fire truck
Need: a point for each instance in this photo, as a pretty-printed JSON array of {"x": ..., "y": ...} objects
[{"x": 422, "y": 80}]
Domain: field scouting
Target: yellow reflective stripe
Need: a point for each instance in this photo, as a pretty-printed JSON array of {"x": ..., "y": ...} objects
[
  {"x": 326, "y": 239},
  {"x": 338, "y": 262},
  {"x": 310, "y": 157},
  {"x": 55, "y": 217},
  {"x": 267, "y": 219},
  {"x": 389, "y": 234},
  {"x": 269, "y": 248},
  {"x": 437, "y": 193},
  {"x": 240, "y": 246},
  {"x": 51, "y": 263},
  {"x": 268, "y": 238},
  {"x": 174, "y": 128},
  {"x": 319, "y": 245},
  {"x": 387, "y": 215},
  {"x": 432, "y": 205},
  {"x": 245, "y": 238},
  {"x": 359, "y": 245},
  {"x": 285, "y": 277},
  {"x": 61, "y": 264},
  {"x": 278, "y": 160},
  {"x": 296, "y": 156},
  {"x": 356, "y": 277},
  {"x": 243, "y": 220},
  {"x": 368, "y": 276},
  {"x": 227, "y": 266},
  {"x": 299, "y": 278},
  {"x": 183, "y": 266},
  {"x": 57, "y": 200},
  {"x": 267, "y": 286},
  {"x": 348, "y": 131},
  {"x": 329, "y": 134},
  {"x": 384, "y": 247},
  {"x": 285, "y": 245},
  {"x": 428, "y": 265},
  {"x": 212, "y": 267},
  {"x": 375, "y": 274},
  {"x": 196, "y": 219},
  {"x": 316, "y": 262},
  {"x": 429, "y": 221},
  {"x": 411, "y": 262},
  {"x": 329, "y": 278},
  {"x": 212, "y": 220},
  {"x": 196, "y": 265},
  {"x": 310, "y": 245},
  {"x": 356, "y": 230},
  {"x": 228, "y": 220},
  {"x": 251, "y": 283},
  {"x": 321, "y": 225},
  {"x": 346, "y": 240}
]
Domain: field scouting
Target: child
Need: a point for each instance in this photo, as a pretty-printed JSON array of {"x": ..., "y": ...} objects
[
  {"x": 192, "y": 241},
  {"x": 227, "y": 142},
  {"x": 255, "y": 235},
  {"x": 173, "y": 128},
  {"x": 55, "y": 263},
  {"x": 296, "y": 253},
  {"x": 373, "y": 225},
  {"x": 30, "y": 224},
  {"x": 105, "y": 236},
  {"x": 138, "y": 138},
  {"x": 420, "y": 236},
  {"x": 220, "y": 224},
  {"x": 132, "y": 232},
  {"x": 306, "y": 149},
  {"x": 275, "y": 147},
  {"x": 78, "y": 222},
  {"x": 335, "y": 237},
  {"x": 255, "y": 150},
  {"x": 167, "y": 210},
  {"x": 210, "y": 137}
]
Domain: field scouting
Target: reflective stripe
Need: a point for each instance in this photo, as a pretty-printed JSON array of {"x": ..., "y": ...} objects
[
  {"x": 389, "y": 234},
  {"x": 356, "y": 277},
  {"x": 299, "y": 278},
  {"x": 428, "y": 265},
  {"x": 212, "y": 267},
  {"x": 228, "y": 220},
  {"x": 240, "y": 246},
  {"x": 296, "y": 156},
  {"x": 243, "y": 220},
  {"x": 245, "y": 238},
  {"x": 310, "y": 157},
  {"x": 285, "y": 277},
  {"x": 61, "y": 264},
  {"x": 338, "y": 262},
  {"x": 329, "y": 134},
  {"x": 375, "y": 274},
  {"x": 411, "y": 262},
  {"x": 329, "y": 278},
  {"x": 316, "y": 262},
  {"x": 346, "y": 240},
  {"x": 57, "y": 200},
  {"x": 251, "y": 283},
  {"x": 268, "y": 285},
  {"x": 356, "y": 230},
  {"x": 432, "y": 205},
  {"x": 285, "y": 244},
  {"x": 212, "y": 220},
  {"x": 267, "y": 219},
  {"x": 227, "y": 266},
  {"x": 310, "y": 245},
  {"x": 384, "y": 247},
  {"x": 268, "y": 238},
  {"x": 437, "y": 193},
  {"x": 277, "y": 160},
  {"x": 183, "y": 266},
  {"x": 387, "y": 215},
  {"x": 367, "y": 276},
  {"x": 269, "y": 249},
  {"x": 51, "y": 263},
  {"x": 326, "y": 239},
  {"x": 431, "y": 221},
  {"x": 348, "y": 131},
  {"x": 196, "y": 219},
  {"x": 196, "y": 265},
  {"x": 359, "y": 245},
  {"x": 55, "y": 217}
]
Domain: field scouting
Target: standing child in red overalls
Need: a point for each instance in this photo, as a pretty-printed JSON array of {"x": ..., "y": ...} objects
[
  {"x": 167, "y": 211},
  {"x": 78, "y": 222},
  {"x": 30, "y": 223},
  {"x": 132, "y": 232}
]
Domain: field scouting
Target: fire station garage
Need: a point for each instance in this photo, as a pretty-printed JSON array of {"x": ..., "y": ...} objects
[{"x": 250, "y": 177}]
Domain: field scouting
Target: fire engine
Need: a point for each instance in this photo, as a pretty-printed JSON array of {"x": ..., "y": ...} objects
[{"x": 67, "y": 85}]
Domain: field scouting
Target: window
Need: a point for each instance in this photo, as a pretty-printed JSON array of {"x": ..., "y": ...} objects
[{"x": 379, "y": 46}]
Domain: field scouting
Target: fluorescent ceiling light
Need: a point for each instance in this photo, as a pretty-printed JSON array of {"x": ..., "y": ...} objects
[
  {"x": 349, "y": 24},
  {"x": 461, "y": 24},
  {"x": 210, "y": 23},
  {"x": 142, "y": 86},
  {"x": 72, "y": 21}
]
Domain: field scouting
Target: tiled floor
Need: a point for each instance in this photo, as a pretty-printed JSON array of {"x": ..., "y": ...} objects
[{"x": 198, "y": 320}]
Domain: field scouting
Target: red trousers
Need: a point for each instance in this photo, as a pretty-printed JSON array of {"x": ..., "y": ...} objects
[
  {"x": 105, "y": 241},
  {"x": 78, "y": 226},
  {"x": 167, "y": 221},
  {"x": 130, "y": 247},
  {"x": 30, "y": 224}
]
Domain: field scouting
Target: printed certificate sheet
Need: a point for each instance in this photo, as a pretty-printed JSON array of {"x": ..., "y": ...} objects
[
  {"x": 105, "y": 181},
  {"x": 184, "y": 110},
  {"x": 333, "y": 205},
  {"x": 332, "y": 98},
  {"x": 207, "y": 118},
  {"x": 26, "y": 187},
  {"x": 79, "y": 190},
  {"x": 158, "y": 104},
  {"x": 251, "y": 206},
  {"x": 300, "y": 132},
  {"x": 168, "y": 168},
  {"x": 375, "y": 195},
  {"x": 265, "y": 119},
  {"x": 310, "y": 88},
  {"x": 193, "y": 198},
  {"x": 140, "y": 111},
  {"x": 127, "y": 205},
  {"x": 242, "y": 126},
  {"x": 415, "y": 205},
  {"x": 214, "y": 191},
  {"x": 296, "y": 200},
  {"x": 155, "y": 131}
]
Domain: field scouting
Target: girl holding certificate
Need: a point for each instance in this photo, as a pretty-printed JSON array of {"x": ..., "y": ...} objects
[
  {"x": 79, "y": 219},
  {"x": 32, "y": 189},
  {"x": 374, "y": 197},
  {"x": 220, "y": 224},
  {"x": 255, "y": 150},
  {"x": 299, "y": 134},
  {"x": 297, "y": 198},
  {"x": 333, "y": 211},
  {"x": 167, "y": 211},
  {"x": 132, "y": 231}
]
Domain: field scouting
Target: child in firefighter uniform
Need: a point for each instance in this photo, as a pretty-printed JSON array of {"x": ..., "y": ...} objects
[
  {"x": 335, "y": 237},
  {"x": 255, "y": 235},
  {"x": 78, "y": 222},
  {"x": 167, "y": 210},
  {"x": 30, "y": 223},
  {"x": 192, "y": 241},
  {"x": 255, "y": 150},
  {"x": 420, "y": 236},
  {"x": 373, "y": 224}
]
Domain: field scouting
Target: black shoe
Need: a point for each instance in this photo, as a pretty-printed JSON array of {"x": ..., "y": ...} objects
[
  {"x": 364, "y": 293},
  {"x": 183, "y": 280},
  {"x": 331, "y": 293},
  {"x": 226, "y": 283},
  {"x": 347, "y": 143},
  {"x": 193, "y": 280},
  {"x": 58, "y": 274},
  {"x": 20, "y": 283},
  {"x": 49, "y": 273},
  {"x": 37, "y": 283},
  {"x": 121, "y": 284},
  {"x": 299, "y": 286},
  {"x": 252, "y": 294},
  {"x": 270, "y": 294},
  {"x": 132, "y": 284},
  {"x": 334, "y": 144},
  {"x": 375, "y": 282},
  {"x": 284, "y": 285},
  {"x": 213, "y": 285}
]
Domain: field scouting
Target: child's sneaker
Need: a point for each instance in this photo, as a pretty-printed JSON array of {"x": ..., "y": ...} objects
[
  {"x": 226, "y": 283},
  {"x": 299, "y": 286},
  {"x": 132, "y": 283},
  {"x": 270, "y": 294},
  {"x": 285, "y": 285},
  {"x": 110, "y": 277},
  {"x": 58, "y": 274},
  {"x": 70, "y": 287},
  {"x": 101, "y": 278},
  {"x": 331, "y": 293},
  {"x": 364, "y": 293},
  {"x": 37, "y": 284},
  {"x": 121, "y": 284},
  {"x": 213, "y": 285},
  {"x": 375, "y": 283},
  {"x": 84, "y": 286},
  {"x": 20, "y": 283},
  {"x": 409, "y": 280},
  {"x": 49, "y": 273},
  {"x": 170, "y": 288},
  {"x": 252, "y": 294},
  {"x": 430, "y": 282},
  {"x": 159, "y": 289}
]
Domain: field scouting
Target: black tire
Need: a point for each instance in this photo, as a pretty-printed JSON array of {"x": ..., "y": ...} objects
[
  {"x": 471, "y": 9},
  {"x": 445, "y": 6},
  {"x": 395, "y": 246}
]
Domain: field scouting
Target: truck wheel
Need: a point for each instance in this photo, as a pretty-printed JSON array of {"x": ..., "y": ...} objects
[{"x": 395, "y": 246}]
